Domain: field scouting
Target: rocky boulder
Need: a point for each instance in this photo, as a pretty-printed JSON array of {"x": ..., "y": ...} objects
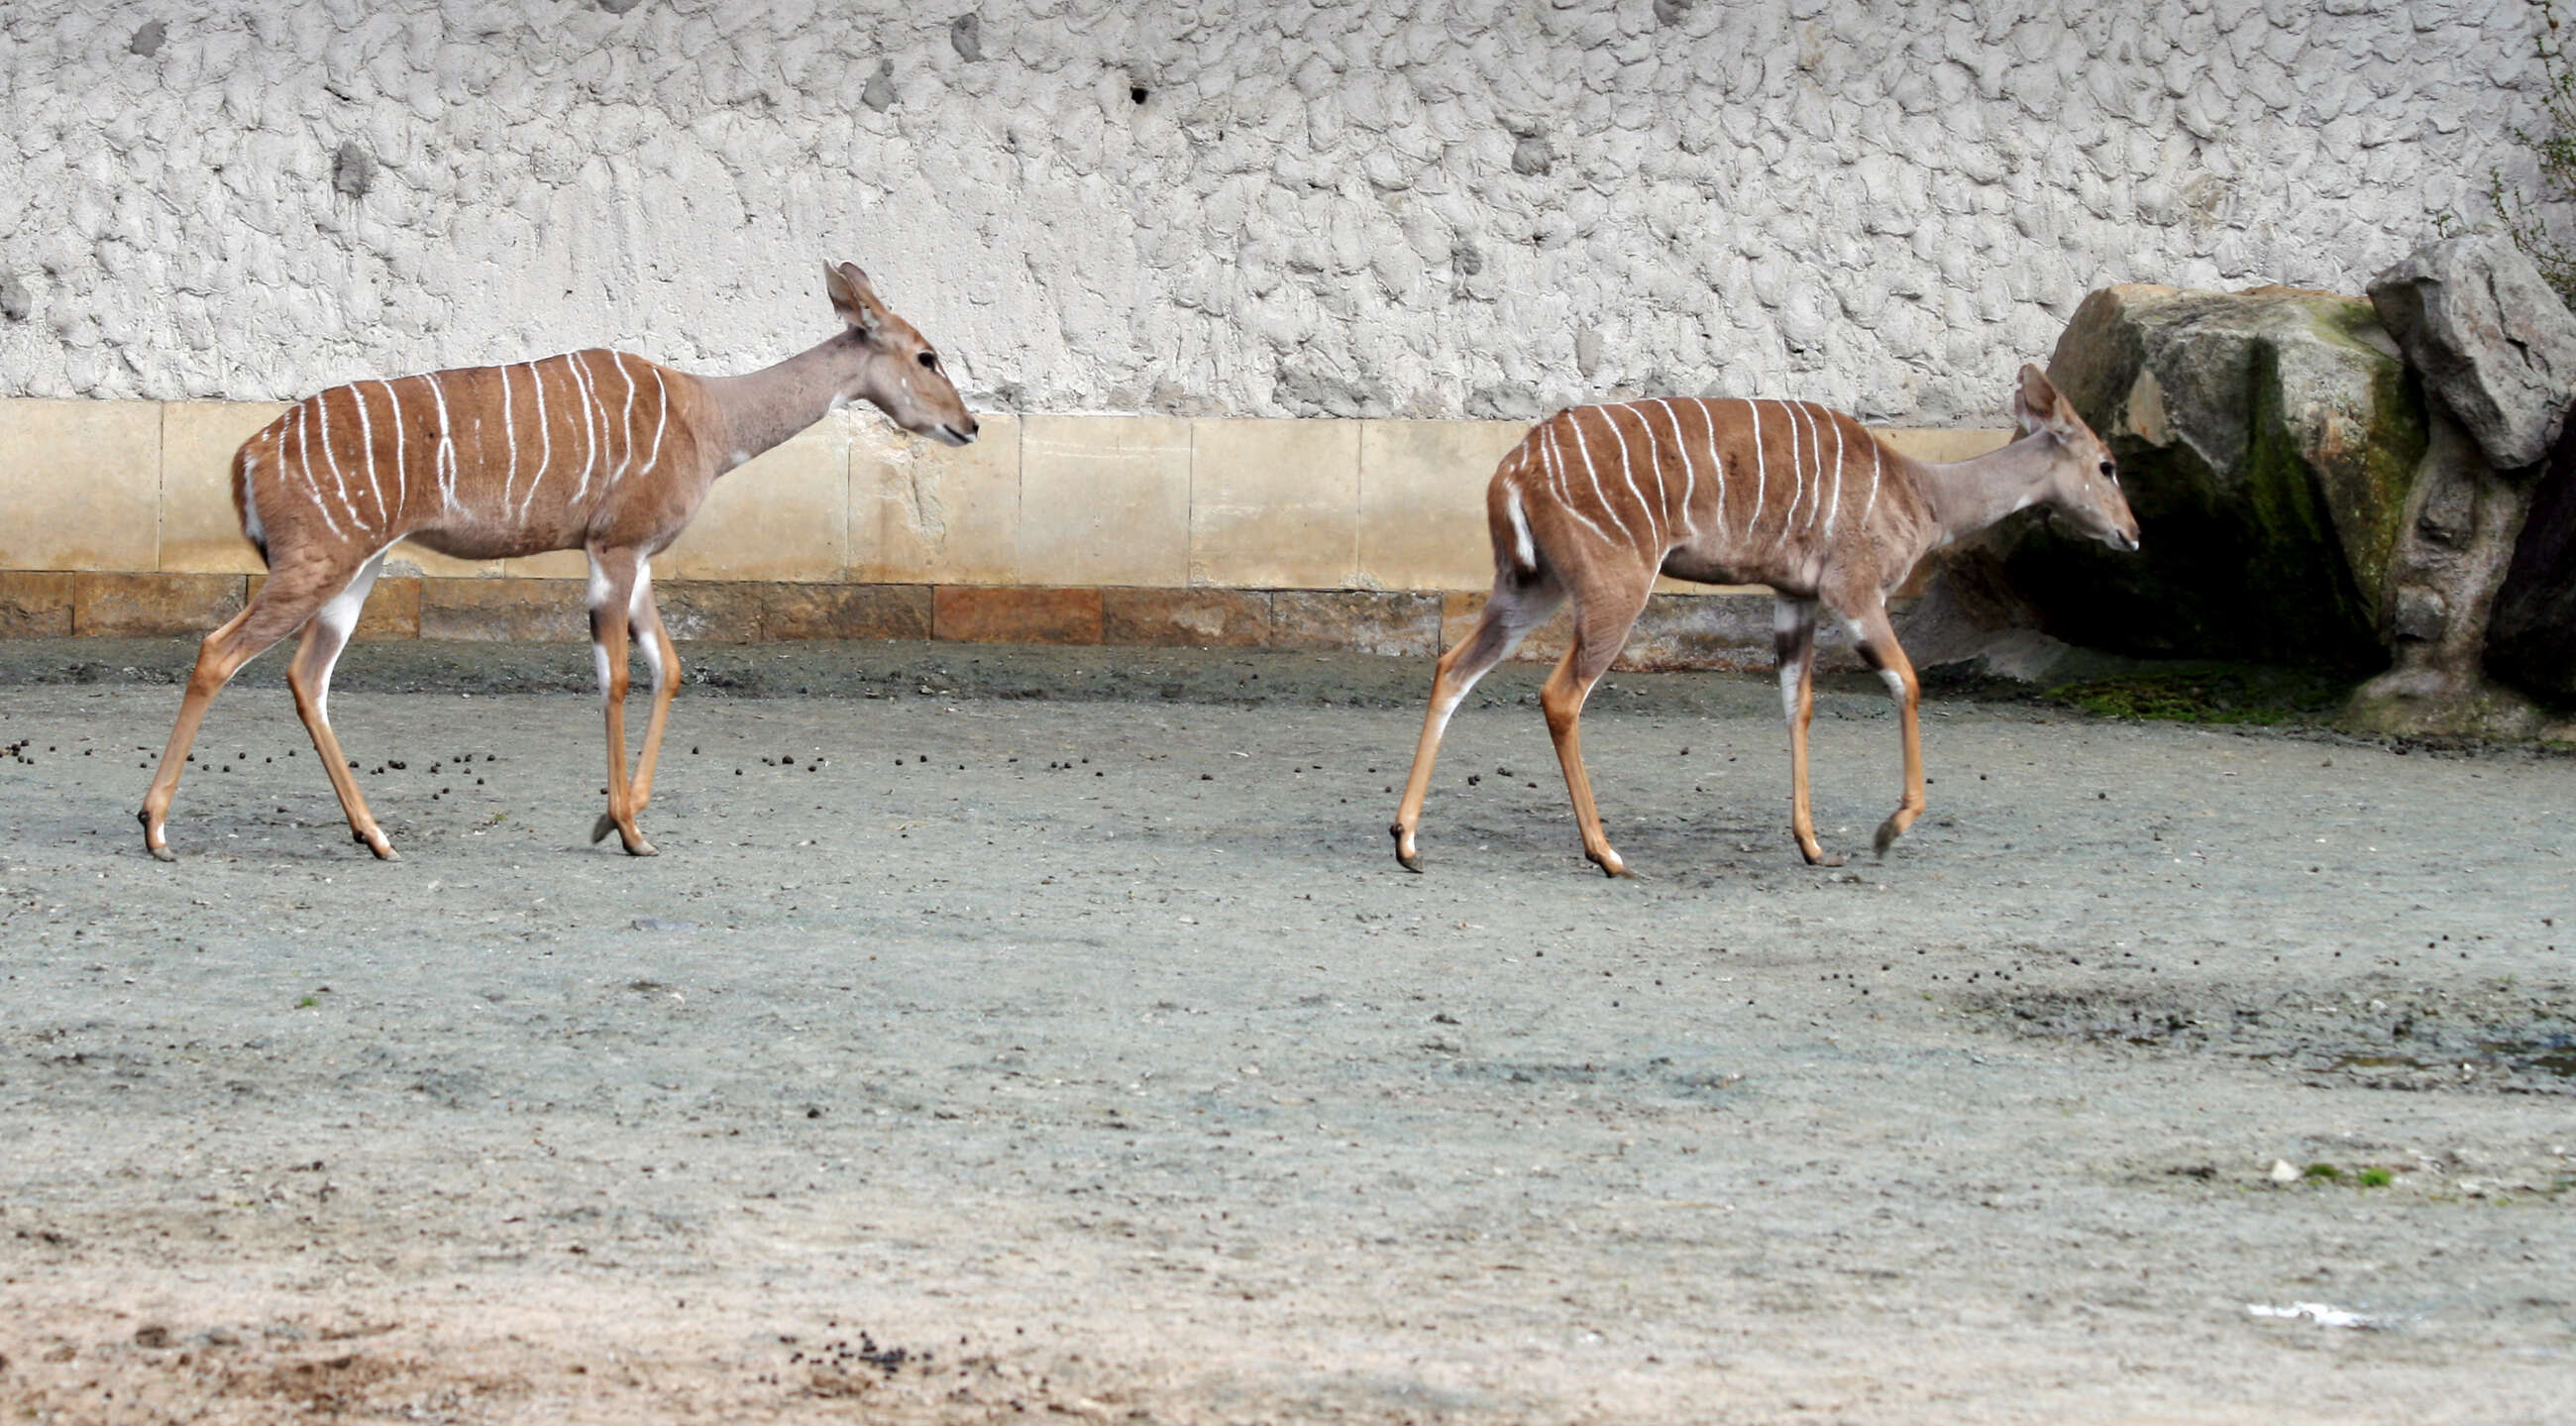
[
  {"x": 2496, "y": 347},
  {"x": 2268, "y": 441}
]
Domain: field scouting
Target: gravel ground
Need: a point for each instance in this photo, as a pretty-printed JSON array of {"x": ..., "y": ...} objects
[{"x": 1030, "y": 1031}]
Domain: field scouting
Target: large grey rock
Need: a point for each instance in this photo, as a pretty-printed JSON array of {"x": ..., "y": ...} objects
[
  {"x": 2268, "y": 441},
  {"x": 2495, "y": 345},
  {"x": 2462, "y": 518}
]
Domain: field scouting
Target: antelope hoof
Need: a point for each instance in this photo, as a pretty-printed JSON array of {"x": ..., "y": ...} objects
[
  {"x": 383, "y": 849},
  {"x": 600, "y": 829},
  {"x": 1888, "y": 832},
  {"x": 1405, "y": 855},
  {"x": 163, "y": 854},
  {"x": 639, "y": 847},
  {"x": 1609, "y": 863},
  {"x": 1818, "y": 856}
]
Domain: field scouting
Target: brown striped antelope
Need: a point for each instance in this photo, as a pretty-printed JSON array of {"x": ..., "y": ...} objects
[
  {"x": 592, "y": 450},
  {"x": 1596, "y": 501}
]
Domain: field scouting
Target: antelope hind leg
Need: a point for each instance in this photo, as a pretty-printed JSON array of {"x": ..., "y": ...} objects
[
  {"x": 1793, "y": 638},
  {"x": 1511, "y": 611}
]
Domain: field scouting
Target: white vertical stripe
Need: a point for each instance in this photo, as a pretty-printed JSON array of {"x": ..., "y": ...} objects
[
  {"x": 402, "y": 478},
  {"x": 367, "y": 438},
  {"x": 1816, "y": 447},
  {"x": 1797, "y": 471},
  {"x": 1872, "y": 503},
  {"x": 331, "y": 458},
  {"x": 1835, "y": 508},
  {"x": 1716, "y": 458},
  {"x": 304, "y": 458},
  {"x": 509, "y": 433},
  {"x": 442, "y": 463},
  {"x": 1565, "y": 490},
  {"x": 1645, "y": 511},
  {"x": 545, "y": 438},
  {"x": 589, "y": 432},
  {"x": 654, "y": 458},
  {"x": 625, "y": 417},
  {"x": 1761, "y": 478},
  {"x": 1690, "y": 473},
  {"x": 1574, "y": 421}
]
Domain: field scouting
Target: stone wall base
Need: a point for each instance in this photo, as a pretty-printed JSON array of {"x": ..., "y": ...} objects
[{"x": 1729, "y": 630}]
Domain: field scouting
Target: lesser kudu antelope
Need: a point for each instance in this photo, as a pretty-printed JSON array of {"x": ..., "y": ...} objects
[
  {"x": 1596, "y": 501},
  {"x": 593, "y": 450}
]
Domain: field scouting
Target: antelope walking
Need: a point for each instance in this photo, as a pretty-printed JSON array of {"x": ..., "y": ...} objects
[
  {"x": 1596, "y": 501},
  {"x": 592, "y": 450}
]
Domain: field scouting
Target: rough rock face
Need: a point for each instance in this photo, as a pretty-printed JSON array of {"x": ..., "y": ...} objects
[
  {"x": 2496, "y": 347},
  {"x": 1346, "y": 207},
  {"x": 2531, "y": 633},
  {"x": 2268, "y": 441}
]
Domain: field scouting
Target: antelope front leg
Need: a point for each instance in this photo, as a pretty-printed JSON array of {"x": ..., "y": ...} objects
[
  {"x": 664, "y": 661},
  {"x": 1600, "y": 627},
  {"x": 612, "y": 582},
  {"x": 1879, "y": 647},
  {"x": 1793, "y": 639},
  {"x": 309, "y": 678}
]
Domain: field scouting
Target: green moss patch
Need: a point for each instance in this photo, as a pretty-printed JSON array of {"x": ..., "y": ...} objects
[{"x": 2211, "y": 693}]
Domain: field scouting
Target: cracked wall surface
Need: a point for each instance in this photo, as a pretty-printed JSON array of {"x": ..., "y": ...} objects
[{"x": 1246, "y": 209}]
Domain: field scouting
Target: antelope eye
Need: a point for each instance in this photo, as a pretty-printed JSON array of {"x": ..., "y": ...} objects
[
  {"x": 931, "y": 360},
  {"x": 2109, "y": 470}
]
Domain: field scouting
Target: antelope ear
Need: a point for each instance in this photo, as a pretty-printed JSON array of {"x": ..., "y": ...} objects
[
  {"x": 2037, "y": 404},
  {"x": 852, "y": 297}
]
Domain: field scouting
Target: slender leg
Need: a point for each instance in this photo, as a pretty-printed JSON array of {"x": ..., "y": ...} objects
[
  {"x": 309, "y": 676},
  {"x": 282, "y": 605},
  {"x": 662, "y": 660},
  {"x": 1879, "y": 647},
  {"x": 1793, "y": 638},
  {"x": 1602, "y": 618},
  {"x": 612, "y": 584},
  {"x": 1510, "y": 613}
]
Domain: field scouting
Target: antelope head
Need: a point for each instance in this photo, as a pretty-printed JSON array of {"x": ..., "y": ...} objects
[
  {"x": 898, "y": 372},
  {"x": 2082, "y": 486}
]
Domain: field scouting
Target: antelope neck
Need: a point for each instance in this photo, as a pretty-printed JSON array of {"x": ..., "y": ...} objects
[
  {"x": 1967, "y": 496},
  {"x": 762, "y": 409}
]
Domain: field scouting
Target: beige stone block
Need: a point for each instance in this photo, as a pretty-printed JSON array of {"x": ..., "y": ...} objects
[
  {"x": 934, "y": 514},
  {"x": 35, "y": 604},
  {"x": 1104, "y": 500},
  {"x": 1275, "y": 504},
  {"x": 1942, "y": 444},
  {"x": 109, "y": 604},
  {"x": 200, "y": 533},
  {"x": 81, "y": 483},
  {"x": 1422, "y": 501},
  {"x": 520, "y": 610},
  {"x": 783, "y": 516}
]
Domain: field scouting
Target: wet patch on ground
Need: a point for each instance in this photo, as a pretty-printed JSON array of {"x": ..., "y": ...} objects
[{"x": 2379, "y": 1033}]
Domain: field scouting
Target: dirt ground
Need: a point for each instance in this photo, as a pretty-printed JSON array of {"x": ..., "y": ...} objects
[{"x": 1043, "y": 1032}]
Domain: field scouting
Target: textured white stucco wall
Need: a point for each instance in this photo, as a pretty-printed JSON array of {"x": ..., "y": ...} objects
[{"x": 1479, "y": 209}]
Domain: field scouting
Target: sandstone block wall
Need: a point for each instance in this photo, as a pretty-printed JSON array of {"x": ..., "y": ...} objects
[{"x": 1475, "y": 209}]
